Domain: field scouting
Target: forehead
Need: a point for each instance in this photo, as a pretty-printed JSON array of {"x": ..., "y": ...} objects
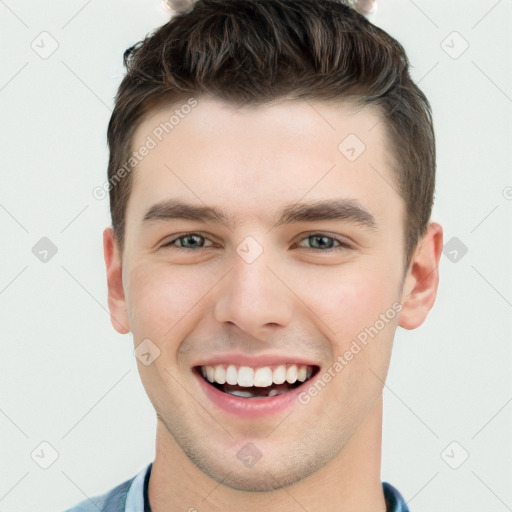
[{"x": 258, "y": 157}]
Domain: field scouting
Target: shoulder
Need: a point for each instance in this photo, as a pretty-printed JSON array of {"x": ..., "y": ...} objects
[{"x": 114, "y": 499}]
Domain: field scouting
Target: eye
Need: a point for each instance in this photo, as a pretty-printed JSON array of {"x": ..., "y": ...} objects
[
  {"x": 324, "y": 243},
  {"x": 190, "y": 240}
]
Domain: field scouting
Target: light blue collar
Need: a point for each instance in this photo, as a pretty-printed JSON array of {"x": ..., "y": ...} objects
[{"x": 135, "y": 496}]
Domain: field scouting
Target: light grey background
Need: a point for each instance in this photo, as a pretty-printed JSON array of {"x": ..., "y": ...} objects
[{"x": 68, "y": 379}]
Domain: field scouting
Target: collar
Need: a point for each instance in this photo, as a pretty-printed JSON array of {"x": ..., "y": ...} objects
[{"x": 136, "y": 493}]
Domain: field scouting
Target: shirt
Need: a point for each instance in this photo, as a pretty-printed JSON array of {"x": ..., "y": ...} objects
[{"x": 132, "y": 496}]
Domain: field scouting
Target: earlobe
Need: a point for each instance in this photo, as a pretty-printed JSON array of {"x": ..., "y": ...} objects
[
  {"x": 116, "y": 297},
  {"x": 422, "y": 279}
]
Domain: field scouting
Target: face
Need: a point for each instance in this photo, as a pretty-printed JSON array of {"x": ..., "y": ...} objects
[{"x": 260, "y": 284}]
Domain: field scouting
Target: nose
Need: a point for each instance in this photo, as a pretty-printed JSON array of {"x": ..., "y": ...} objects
[{"x": 254, "y": 296}]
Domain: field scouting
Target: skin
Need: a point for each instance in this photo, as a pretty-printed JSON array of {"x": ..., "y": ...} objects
[{"x": 296, "y": 298}]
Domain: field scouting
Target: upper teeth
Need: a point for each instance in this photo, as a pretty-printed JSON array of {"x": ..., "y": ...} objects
[{"x": 260, "y": 377}]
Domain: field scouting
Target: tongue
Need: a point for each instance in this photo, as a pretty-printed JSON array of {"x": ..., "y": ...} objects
[{"x": 257, "y": 391}]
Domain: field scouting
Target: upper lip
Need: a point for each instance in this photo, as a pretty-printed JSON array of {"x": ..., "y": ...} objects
[{"x": 254, "y": 361}]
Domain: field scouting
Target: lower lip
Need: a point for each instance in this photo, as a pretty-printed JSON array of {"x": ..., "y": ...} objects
[{"x": 250, "y": 407}]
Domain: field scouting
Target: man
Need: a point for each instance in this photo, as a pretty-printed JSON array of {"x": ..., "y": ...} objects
[{"x": 271, "y": 180}]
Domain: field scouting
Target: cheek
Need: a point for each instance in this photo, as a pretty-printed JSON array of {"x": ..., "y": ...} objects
[
  {"x": 353, "y": 300},
  {"x": 349, "y": 304},
  {"x": 161, "y": 296}
]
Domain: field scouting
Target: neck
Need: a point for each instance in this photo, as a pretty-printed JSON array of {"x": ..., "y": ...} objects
[{"x": 349, "y": 481}]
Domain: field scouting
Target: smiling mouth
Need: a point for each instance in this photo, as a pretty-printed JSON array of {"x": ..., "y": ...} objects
[{"x": 247, "y": 382}]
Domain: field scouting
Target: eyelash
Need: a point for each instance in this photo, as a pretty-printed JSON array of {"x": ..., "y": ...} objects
[{"x": 342, "y": 246}]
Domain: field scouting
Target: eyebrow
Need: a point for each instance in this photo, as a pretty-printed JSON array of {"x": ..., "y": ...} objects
[{"x": 348, "y": 210}]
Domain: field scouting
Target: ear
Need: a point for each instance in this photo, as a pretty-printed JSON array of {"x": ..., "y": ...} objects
[
  {"x": 116, "y": 298},
  {"x": 422, "y": 279}
]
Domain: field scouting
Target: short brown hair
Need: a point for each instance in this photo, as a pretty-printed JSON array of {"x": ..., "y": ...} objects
[{"x": 249, "y": 53}]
